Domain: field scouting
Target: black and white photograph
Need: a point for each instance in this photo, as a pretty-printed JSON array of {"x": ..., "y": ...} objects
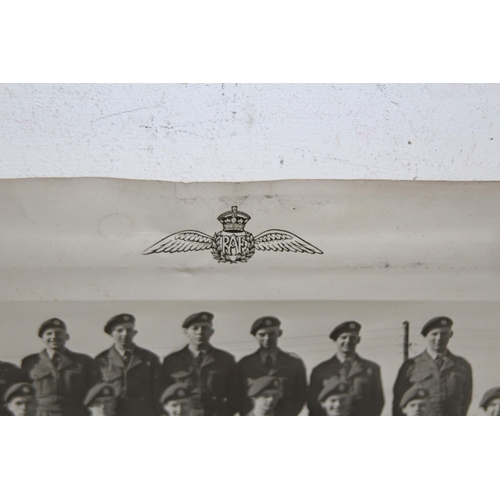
[
  {"x": 282, "y": 358},
  {"x": 291, "y": 298}
]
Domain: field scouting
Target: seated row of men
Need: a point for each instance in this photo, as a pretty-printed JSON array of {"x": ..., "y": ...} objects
[
  {"x": 265, "y": 392},
  {"x": 201, "y": 379}
]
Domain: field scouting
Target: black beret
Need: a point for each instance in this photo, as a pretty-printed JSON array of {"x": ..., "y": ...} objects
[
  {"x": 120, "y": 319},
  {"x": 100, "y": 390},
  {"x": 50, "y": 324},
  {"x": 490, "y": 394},
  {"x": 202, "y": 317},
  {"x": 333, "y": 385},
  {"x": 346, "y": 327},
  {"x": 437, "y": 322},
  {"x": 261, "y": 384},
  {"x": 175, "y": 392},
  {"x": 264, "y": 322},
  {"x": 20, "y": 389},
  {"x": 415, "y": 392}
]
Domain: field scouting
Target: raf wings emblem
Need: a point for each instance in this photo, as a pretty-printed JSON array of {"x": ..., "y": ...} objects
[{"x": 233, "y": 244}]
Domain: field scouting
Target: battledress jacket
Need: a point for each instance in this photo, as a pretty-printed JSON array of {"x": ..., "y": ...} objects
[
  {"x": 136, "y": 382},
  {"x": 59, "y": 391},
  {"x": 214, "y": 382},
  {"x": 288, "y": 367},
  {"x": 450, "y": 386},
  {"x": 363, "y": 377}
]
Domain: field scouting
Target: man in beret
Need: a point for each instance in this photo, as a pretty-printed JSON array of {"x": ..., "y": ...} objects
[
  {"x": 60, "y": 376},
  {"x": 9, "y": 374},
  {"x": 447, "y": 377},
  {"x": 362, "y": 376},
  {"x": 101, "y": 400},
  {"x": 210, "y": 372},
  {"x": 490, "y": 402},
  {"x": 269, "y": 359},
  {"x": 415, "y": 402},
  {"x": 264, "y": 393},
  {"x": 130, "y": 369},
  {"x": 177, "y": 400},
  {"x": 335, "y": 397},
  {"x": 20, "y": 400}
]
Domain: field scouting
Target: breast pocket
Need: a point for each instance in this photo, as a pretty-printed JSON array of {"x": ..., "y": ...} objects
[
  {"x": 215, "y": 381},
  {"x": 74, "y": 381},
  {"x": 111, "y": 374},
  {"x": 143, "y": 371},
  {"x": 44, "y": 382},
  {"x": 420, "y": 377},
  {"x": 456, "y": 385},
  {"x": 182, "y": 376}
]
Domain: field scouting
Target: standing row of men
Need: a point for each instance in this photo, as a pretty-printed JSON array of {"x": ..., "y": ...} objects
[{"x": 201, "y": 379}]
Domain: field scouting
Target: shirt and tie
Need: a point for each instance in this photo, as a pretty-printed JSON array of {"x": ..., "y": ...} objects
[
  {"x": 55, "y": 357},
  {"x": 199, "y": 356},
  {"x": 345, "y": 368},
  {"x": 126, "y": 354},
  {"x": 438, "y": 357},
  {"x": 268, "y": 359}
]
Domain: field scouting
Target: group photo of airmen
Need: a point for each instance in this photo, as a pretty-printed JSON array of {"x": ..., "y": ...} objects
[{"x": 203, "y": 380}]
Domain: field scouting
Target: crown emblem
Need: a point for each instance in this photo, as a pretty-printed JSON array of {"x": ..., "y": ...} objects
[
  {"x": 443, "y": 322},
  {"x": 26, "y": 389},
  {"x": 233, "y": 220}
]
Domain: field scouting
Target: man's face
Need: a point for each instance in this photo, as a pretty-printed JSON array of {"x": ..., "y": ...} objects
[
  {"x": 266, "y": 401},
  {"x": 178, "y": 408},
  {"x": 437, "y": 339},
  {"x": 199, "y": 333},
  {"x": 336, "y": 405},
  {"x": 416, "y": 408},
  {"x": 493, "y": 408},
  {"x": 268, "y": 337},
  {"x": 22, "y": 406},
  {"x": 55, "y": 338},
  {"x": 346, "y": 342},
  {"x": 104, "y": 406},
  {"x": 123, "y": 335}
]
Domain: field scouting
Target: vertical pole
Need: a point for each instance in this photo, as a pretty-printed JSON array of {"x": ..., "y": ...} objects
[{"x": 406, "y": 340}]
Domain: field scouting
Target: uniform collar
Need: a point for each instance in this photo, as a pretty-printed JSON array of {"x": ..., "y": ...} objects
[
  {"x": 121, "y": 351},
  {"x": 434, "y": 355},
  {"x": 263, "y": 355},
  {"x": 353, "y": 358},
  {"x": 196, "y": 353},
  {"x": 51, "y": 352},
  {"x": 47, "y": 357}
]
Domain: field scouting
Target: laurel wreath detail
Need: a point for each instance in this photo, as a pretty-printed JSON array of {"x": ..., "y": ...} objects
[{"x": 244, "y": 255}]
